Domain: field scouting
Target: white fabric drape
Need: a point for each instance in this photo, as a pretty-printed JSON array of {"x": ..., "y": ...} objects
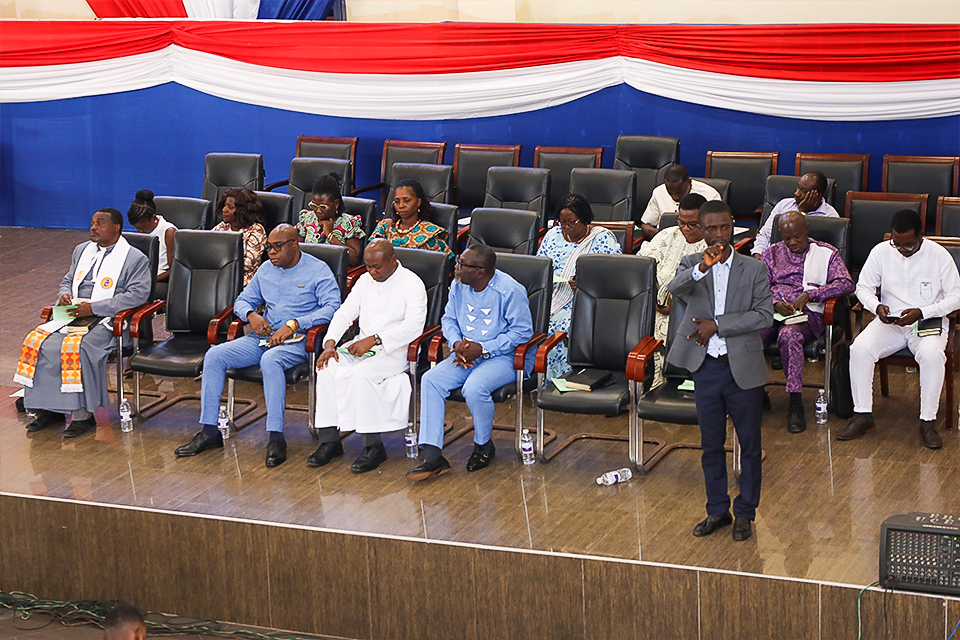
[{"x": 222, "y": 9}]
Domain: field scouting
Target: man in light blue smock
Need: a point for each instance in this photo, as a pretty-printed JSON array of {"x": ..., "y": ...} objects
[{"x": 487, "y": 316}]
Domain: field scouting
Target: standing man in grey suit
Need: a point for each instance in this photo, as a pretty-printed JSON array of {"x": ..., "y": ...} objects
[{"x": 728, "y": 303}]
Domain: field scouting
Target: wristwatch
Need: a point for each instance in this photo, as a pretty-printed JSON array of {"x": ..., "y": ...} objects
[
  {"x": 485, "y": 355},
  {"x": 377, "y": 341},
  {"x": 293, "y": 324}
]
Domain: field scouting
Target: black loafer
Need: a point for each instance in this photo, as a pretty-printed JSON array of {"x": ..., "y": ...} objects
[
  {"x": 741, "y": 529},
  {"x": 370, "y": 459},
  {"x": 796, "y": 420},
  {"x": 46, "y": 419},
  {"x": 200, "y": 443},
  {"x": 18, "y": 403},
  {"x": 276, "y": 453},
  {"x": 710, "y": 524},
  {"x": 326, "y": 452},
  {"x": 481, "y": 456},
  {"x": 428, "y": 468},
  {"x": 79, "y": 427}
]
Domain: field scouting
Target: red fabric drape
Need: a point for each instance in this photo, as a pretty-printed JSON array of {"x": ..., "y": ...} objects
[
  {"x": 848, "y": 53},
  {"x": 138, "y": 8}
]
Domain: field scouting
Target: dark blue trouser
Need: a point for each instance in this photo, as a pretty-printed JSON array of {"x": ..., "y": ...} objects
[{"x": 717, "y": 396}]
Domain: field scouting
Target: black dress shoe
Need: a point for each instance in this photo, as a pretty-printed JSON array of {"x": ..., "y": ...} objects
[
  {"x": 200, "y": 443},
  {"x": 741, "y": 529},
  {"x": 370, "y": 459},
  {"x": 428, "y": 468},
  {"x": 710, "y": 524},
  {"x": 18, "y": 403},
  {"x": 796, "y": 420},
  {"x": 46, "y": 419},
  {"x": 276, "y": 453},
  {"x": 776, "y": 363},
  {"x": 326, "y": 452},
  {"x": 481, "y": 456},
  {"x": 79, "y": 427}
]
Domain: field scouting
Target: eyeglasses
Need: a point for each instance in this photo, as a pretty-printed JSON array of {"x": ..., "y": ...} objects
[
  {"x": 906, "y": 249},
  {"x": 319, "y": 208},
  {"x": 688, "y": 225},
  {"x": 463, "y": 265},
  {"x": 568, "y": 224},
  {"x": 276, "y": 246}
]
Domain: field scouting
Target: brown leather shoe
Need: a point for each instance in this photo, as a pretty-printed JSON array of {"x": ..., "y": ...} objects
[
  {"x": 859, "y": 424},
  {"x": 929, "y": 436}
]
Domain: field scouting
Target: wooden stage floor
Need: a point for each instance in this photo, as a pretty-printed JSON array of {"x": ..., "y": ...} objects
[{"x": 822, "y": 505}]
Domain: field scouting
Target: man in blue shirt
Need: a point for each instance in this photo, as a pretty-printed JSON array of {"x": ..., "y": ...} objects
[
  {"x": 299, "y": 291},
  {"x": 486, "y": 318}
]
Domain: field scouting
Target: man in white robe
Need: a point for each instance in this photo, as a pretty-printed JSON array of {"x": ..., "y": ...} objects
[
  {"x": 369, "y": 394},
  {"x": 106, "y": 276}
]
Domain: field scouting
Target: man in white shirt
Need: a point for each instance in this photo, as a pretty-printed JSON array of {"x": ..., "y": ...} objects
[
  {"x": 808, "y": 200},
  {"x": 918, "y": 279},
  {"x": 666, "y": 197}
]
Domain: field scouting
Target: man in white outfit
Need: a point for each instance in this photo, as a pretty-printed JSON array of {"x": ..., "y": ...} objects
[
  {"x": 918, "y": 280},
  {"x": 364, "y": 386},
  {"x": 666, "y": 198}
]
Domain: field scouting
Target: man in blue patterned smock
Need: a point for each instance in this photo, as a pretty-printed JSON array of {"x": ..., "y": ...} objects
[{"x": 486, "y": 318}]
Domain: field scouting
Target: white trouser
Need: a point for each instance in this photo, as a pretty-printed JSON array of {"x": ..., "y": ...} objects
[{"x": 880, "y": 340}]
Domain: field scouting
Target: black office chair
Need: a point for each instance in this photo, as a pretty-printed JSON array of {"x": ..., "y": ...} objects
[
  {"x": 519, "y": 188},
  {"x": 536, "y": 275},
  {"x": 870, "y": 217},
  {"x": 649, "y": 157},
  {"x": 277, "y": 209},
  {"x": 560, "y": 161},
  {"x": 470, "y": 165},
  {"x": 336, "y": 258},
  {"x": 224, "y": 171},
  {"x": 721, "y": 186},
  {"x": 748, "y": 171},
  {"x": 436, "y": 180},
  {"x": 342, "y": 148},
  {"x": 849, "y": 170},
  {"x": 948, "y": 217},
  {"x": 505, "y": 230},
  {"x": 780, "y": 187},
  {"x": 395, "y": 151},
  {"x": 206, "y": 276},
  {"x": 610, "y": 192},
  {"x": 612, "y": 318},
  {"x": 185, "y": 213},
  {"x": 933, "y": 175},
  {"x": 445, "y": 216},
  {"x": 367, "y": 210},
  {"x": 305, "y": 171}
]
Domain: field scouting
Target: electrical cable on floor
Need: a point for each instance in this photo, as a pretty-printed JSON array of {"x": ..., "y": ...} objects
[
  {"x": 93, "y": 612},
  {"x": 860, "y": 595},
  {"x": 954, "y": 630}
]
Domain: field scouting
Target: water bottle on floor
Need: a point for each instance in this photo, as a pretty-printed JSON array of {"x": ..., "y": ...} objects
[
  {"x": 821, "y": 406},
  {"x": 223, "y": 423},
  {"x": 126, "y": 416},
  {"x": 615, "y": 477},
  {"x": 410, "y": 440},
  {"x": 526, "y": 448}
]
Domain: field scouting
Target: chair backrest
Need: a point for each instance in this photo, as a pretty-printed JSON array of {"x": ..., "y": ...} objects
[
  {"x": 833, "y": 231},
  {"x": 185, "y": 213},
  {"x": 561, "y": 161},
  {"x": 367, "y": 210},
  {"x": 395, "y": 151},
  {"x": 305, "y": 171},
  {"x": 436, "y": 180},
  {"x": 610, "y": 192},
  {"x": 505, "y": 230},
  {"x": 336, "y": 257},
  {"x": 849, "y": 170},
  {"x": 668, "y": 220},
  {"x": 613, "y": 308},
  {"x": 222, "y": 171},
  {"x": 535, "y": 273},
  {"x": 648, "y": 157},
  {"x": 329, "y": 147},
  {"x": 149, "y": 245},
  {"x": 722, "y": 186},
  {"x": 780, "y": 187},
  {"x": 446, "y": 216},
  {"x": 948, "y": 217},
  {"x": 870, "y": 217},
  {"x": 470, "y": 165},
  {"x": 748, "y": 171},
  {"x": 519, "y": 188},
  {"x": 435, "y": 270},
  {"x": 277, "y": 209},
  {"x": 933, "y": 175},
  {"x": 206, "y": 276}
]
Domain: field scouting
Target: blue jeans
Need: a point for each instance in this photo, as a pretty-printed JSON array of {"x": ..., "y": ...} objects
[{"x": 246, "y": 352}]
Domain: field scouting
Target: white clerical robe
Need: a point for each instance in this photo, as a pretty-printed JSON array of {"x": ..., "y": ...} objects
[{"x": 372, "y": 394}]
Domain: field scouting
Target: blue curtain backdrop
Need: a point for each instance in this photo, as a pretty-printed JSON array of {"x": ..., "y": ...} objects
[{"x": 295, "y": 9}]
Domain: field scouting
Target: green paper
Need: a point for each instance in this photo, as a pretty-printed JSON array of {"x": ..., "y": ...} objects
[
  {"x": 558, "y": 279},
  {"x": 60, "y": 312},
  {"x": 780, "y": 317},
  {"x": 686, "y": 385},
  {"x": 374, "y": 351},
  {"x": 561, "y": 385}
]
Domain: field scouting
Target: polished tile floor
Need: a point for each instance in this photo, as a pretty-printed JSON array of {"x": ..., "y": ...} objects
[{"x": 822, "y": 505}]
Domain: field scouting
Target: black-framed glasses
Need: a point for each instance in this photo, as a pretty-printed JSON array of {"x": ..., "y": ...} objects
[
  {"x": 463, "y": 265},
  {"x": 688, "y": 225},
  {"x": 276, "y": 246}
]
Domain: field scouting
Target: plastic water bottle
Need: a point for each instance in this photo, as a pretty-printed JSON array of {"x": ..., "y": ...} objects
[
  {"x": 223, "y": 423},
  {"x": 821, "y": 407},
  {"x": 410, "y": 439},
  {"x": 126, "y": 416},
  {"x": 526, "y": 448},
  {"x": 614, "y": 477}
]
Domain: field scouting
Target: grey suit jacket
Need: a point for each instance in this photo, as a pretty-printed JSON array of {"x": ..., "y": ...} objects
[{"x": 749, "y": 308}]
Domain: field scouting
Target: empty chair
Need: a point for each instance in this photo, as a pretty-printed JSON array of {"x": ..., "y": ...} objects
[
  {"x": 948, "y": 217},
  {"x": 470, "y": 165},
  {"x": 330, "y": 147},
  {"x": 222, "y": 171},
  {"x": 185, "y": 213},
  {"x": 849, "y": 170},
  {"x": 368, "y": 211},
  {"x": 305, "y": 171},
  {"x": 648, "y": 157},
  {"x": 519, "y": 188},
  {"x": 561, "y": 161},
  {"x": 870, "y": 217},
  {"x": 748, "y": 171},
  {"x": 436, "y": 180},
  {"x": 933, "y": 175},
  {"x": 395, "y": 151},
  {"x": 445, "y": 216},
  {"x": 610, "y": 192},
  {"x": 504, "y": 230},
  {"x": 277, "y": 209},
  {"x": 721, "y": 186}
]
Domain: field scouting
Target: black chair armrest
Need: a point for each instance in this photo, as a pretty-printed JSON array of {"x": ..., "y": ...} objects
[{"x": 540, "y": 364}]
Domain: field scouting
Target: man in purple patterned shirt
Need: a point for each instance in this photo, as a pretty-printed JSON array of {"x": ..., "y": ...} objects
[{"x": 803, "y": 273}]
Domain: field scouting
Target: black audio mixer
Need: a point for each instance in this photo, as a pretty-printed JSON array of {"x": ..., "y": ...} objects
[{"x": 921, "y": 552}]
